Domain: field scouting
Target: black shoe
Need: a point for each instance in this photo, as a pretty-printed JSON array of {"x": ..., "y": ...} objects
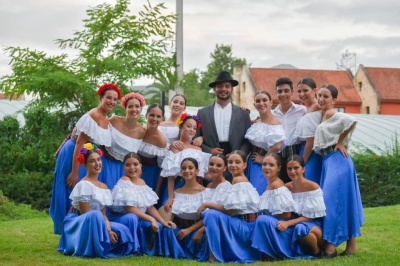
[{"x": 331, "y": 256}]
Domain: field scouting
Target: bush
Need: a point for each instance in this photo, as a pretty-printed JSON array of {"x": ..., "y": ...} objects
[
  {"x": 379, "y": 176},
  {"x": 11, "y": 211},
  {"x": 33, "y": 188}
]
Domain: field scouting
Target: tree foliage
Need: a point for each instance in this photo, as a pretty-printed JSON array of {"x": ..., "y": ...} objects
[
  {"x": 195, "y": 83},
  {"x": 114, "y": 46}
]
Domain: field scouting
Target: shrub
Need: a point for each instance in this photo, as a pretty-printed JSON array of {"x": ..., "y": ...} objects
[
  {"x": 379, "y": 176},
  {"x": 11, "y": 211}
]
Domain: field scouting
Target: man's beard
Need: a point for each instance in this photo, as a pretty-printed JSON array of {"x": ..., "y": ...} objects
[{"x": 222, "y": 98}]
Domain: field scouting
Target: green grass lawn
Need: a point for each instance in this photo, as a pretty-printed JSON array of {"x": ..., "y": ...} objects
[{"x": 31, "y": 242}]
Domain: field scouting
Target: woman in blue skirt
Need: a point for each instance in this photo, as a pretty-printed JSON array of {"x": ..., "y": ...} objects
[
  {"x": 127, "y": 135},
  {"x": 266, "y": 135},
  {"x": 188, "y": 198},
  {"x": 133, "y": 206},
  {"x": 295, "y": 229},
  {"x": 229, "y": 226},
  {"x": 344, "y": 213},
  {"x": 87, "y": 231},
  {"x": 306, "y": 127},
  {"x": 94, "y": 127}
]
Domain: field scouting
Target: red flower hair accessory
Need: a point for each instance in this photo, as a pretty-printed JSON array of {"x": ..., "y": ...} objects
[
  {"x": 185, "y": 116},
  {"x": 85, "y": 149},
  {"x": 133, "y": 95},
  {"x": 109, "y": 86}
]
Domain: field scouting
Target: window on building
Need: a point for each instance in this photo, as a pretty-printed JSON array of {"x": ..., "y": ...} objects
[
  {"x": 340, "y": 109},
  {"x": 359, "y": 85},
  {"x": 243, "y": 86},
  {"x": 367, "y": 109}
]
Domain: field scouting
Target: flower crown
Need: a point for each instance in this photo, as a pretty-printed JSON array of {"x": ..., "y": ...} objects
[
  {"x": 185, "y": 116},
  {"x": 85, "y": 149},
  {"x": 132, "y": 95},
  {"x": 109, "y": 86}
]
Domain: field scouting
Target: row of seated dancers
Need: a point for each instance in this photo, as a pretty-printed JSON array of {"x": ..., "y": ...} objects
[
  {"x": 223, "y": 222},
  {"x": 163, "y": 145}
]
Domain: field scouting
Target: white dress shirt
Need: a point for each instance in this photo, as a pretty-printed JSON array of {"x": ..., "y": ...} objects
[
  {"x": 222, "y": 117},
  {"x": 289, "y": 121}
]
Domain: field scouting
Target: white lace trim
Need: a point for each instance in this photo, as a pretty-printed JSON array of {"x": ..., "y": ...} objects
[{"x": 150, "y": 150}]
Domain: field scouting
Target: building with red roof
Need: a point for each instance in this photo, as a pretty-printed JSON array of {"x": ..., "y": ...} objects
[
  {"x": 252, "y": 80},
  {"x": 379, "y": 90}
]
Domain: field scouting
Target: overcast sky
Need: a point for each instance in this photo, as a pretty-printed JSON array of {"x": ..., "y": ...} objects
[{"x": 308, "y": 34}]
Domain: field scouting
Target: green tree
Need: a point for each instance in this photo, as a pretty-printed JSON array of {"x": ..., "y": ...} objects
[
  {"x": 221, "y": 59},
  {"x": 114, "y": 46},
  {"x": 195, "y": 95},
  {"x": 195, "y": 84}
]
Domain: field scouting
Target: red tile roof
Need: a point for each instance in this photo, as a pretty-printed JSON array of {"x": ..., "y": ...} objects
[
  {"x": 264, "y": 79},
  {"x": 386, "y": 81}
]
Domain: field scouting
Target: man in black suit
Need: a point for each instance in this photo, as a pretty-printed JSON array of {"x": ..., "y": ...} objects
[{"x": 223, "y": 123}]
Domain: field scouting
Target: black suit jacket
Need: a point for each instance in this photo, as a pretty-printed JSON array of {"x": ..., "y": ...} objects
[{"x": 240, "y": 122}]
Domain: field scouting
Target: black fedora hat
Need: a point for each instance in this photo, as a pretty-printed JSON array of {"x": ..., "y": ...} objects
[{"x": 222, "y": 77}]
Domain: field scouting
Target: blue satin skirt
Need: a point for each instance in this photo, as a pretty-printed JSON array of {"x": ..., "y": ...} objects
[
  {"x": 229, "y": 237},
  {"x": 60, "y": 202},
  {"x": 281, "y": 245},
  {"x": 255, "y": 175},
  {"x": 87, "y": 236},
  {"x": 344, "y": 212}
]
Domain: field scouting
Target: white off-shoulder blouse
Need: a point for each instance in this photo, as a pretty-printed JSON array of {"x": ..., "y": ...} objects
[
  {"x": 85, "y": 191},
  {"x": 329, "y": 131},
  {"x": 185, "y": 205},
  {"x": 277, "y": 201},
  {"x": 171, "y": 166},
  {"x": 307, "y": 125},
  {"x": 310, "y": 204},
  {"x": 265, "y": 136},
  {"x": 216, "y": 195},
  {"x": 125, "y": 193},
  {"x": 97, "y": 134},
  {"x": 242, "y": 197},
  {"x": 122, "y": 144}
]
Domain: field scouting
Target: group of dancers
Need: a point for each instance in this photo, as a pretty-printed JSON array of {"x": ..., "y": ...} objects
[{"x": 213, "y": 186}]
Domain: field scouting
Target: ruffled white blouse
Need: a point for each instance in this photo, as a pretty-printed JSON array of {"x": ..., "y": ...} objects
[
  {"x": 329, "y": 131},
  {"x": 185, "y": 205},
  {"x": 171, "y": 166},
  {"x": 85, "y": 191},
  {"x": 216, "y": 195},
  {"x": 121, "y": 144},
  {"x": 307, "y": 125},
  {"x": 170, "y": 133},
  {"x": 150, "y": 151},
  {"x": 97, "y": 134},
  {"x": 125, "y": 193},
  {"x": 265, "y": 136},
  {"x": 242, "y": 197},
  {"x": 277, "y": 201},
  {"x": 310, "y": 204}
]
